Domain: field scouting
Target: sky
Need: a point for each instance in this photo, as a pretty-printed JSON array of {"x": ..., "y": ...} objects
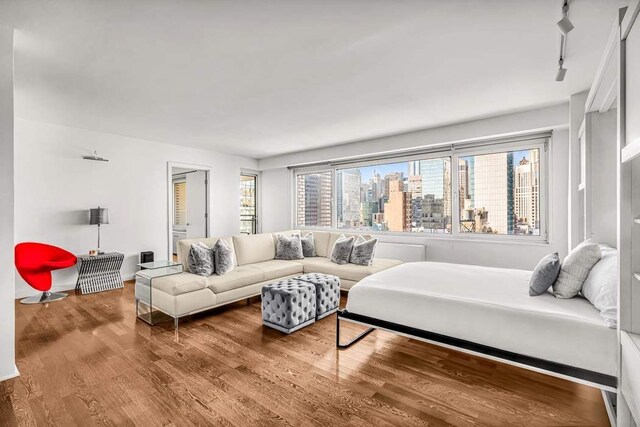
[{"x": 368, "y": 171}]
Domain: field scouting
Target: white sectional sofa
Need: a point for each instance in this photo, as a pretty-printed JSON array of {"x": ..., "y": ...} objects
[{"x": 186, "y": 293}]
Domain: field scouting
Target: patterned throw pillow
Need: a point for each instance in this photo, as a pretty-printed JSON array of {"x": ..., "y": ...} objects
[
  {"x": 200, "y": 260},
  {"x": 341, "y": 251},
  {"x": 288, "y": 248},
  {"x": 308, "y": 245},
  {"x": 223, "y": 257},
  {"x": 575, "y": 268},
  {"x": 363, "y": 251}
]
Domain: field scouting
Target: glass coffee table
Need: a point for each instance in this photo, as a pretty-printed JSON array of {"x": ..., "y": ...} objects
[{"x": 144, "y": 290}]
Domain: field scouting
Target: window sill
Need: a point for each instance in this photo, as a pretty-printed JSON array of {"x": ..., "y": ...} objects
[{"x": 516, "y": 240}]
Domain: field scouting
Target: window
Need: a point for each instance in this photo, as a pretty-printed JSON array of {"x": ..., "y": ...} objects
[
  {"x": 180, "y": 202},
  {"x": 410, "y": 196},
  {"x": 248, "y": 205},
  {"x": 499, "y": 193},
  {"x": 493, "y": 189},
  {"x": 313, "y": 196}
]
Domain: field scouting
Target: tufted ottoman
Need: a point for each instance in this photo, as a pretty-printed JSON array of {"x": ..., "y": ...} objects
[
  {"x": 288, "y": 305},
  {"x": 327, "y": 292}
]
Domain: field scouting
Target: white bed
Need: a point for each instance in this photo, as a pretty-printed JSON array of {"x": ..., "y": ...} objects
[{"x": 490, "y": 307}]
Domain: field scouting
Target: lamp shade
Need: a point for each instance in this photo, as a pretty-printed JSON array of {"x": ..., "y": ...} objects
[{"x": 98, "y": 216}]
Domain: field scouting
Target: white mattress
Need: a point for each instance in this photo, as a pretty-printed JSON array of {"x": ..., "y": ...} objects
[{"x": 489, "y": 306}]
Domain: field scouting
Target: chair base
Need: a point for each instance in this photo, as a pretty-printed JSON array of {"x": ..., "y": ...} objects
[{"x": 43, "y": 298}]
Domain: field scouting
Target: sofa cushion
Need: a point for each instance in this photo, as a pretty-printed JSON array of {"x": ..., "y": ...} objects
[
  {"x": 178, "y": 284},
  {"x": 321, "y": 240},
  {"x": 223, "y": 257},
  {"x": 184, "y": 246},
  {"x": 276, "y": 268},
  {"x": 346, "y": 271},
  {"x": 254, "y": 248},
  {"x": 288, "y": 247},
  {"x": 342, "y": 248},
  {"x": 236, "y": 278},
  {"x": 335, "y": 236}
]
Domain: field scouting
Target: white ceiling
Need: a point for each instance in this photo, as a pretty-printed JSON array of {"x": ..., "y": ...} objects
[{"x": 261, "y": 78}]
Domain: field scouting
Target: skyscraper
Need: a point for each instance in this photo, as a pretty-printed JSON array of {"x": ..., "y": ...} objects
[
  {"x": 493, "y": 192},
  {"x": 526, "y": 187},
  {"x": 314, "y": 199},
  {"x": 397, "y": 211},
  {"x": 351, "y": 196}
]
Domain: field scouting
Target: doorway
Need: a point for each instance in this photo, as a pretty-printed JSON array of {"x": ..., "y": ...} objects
[
  {"x": 188, "y": 204},
  {"x": 248, "y": 203}
]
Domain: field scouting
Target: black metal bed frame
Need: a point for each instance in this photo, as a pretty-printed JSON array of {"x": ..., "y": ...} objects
[{"x": 602, "y": 381}]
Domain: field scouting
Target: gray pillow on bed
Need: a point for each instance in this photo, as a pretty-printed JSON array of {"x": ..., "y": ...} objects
[
  {"x": 544, "y": 275},
  {"x": 342, "y": 250}
]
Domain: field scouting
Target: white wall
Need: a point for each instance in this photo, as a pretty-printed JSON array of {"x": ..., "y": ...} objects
[
  {"x": 55, "y": 188},
  {"x": 604, "y": 214},
  {"x": 7, "y": 319},
  {"x": 277, "y": 200}
]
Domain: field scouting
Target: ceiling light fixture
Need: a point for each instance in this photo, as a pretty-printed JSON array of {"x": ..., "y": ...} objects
[
  {"x": 564, "y": 24},
  {"x": 561, "y": 71}
]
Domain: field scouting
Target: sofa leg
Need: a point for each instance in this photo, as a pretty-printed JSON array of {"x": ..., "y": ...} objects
[
  {"x": 175, "y": 323},
  {"x": 248, "y": 301}
]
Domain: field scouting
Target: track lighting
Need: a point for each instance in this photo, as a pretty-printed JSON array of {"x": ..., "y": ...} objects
[
  {"x": 561, "y": 71},
  {"x": 565, "y": 25}
]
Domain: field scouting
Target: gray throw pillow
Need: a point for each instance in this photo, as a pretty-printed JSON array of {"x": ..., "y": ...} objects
[
  {"x": 341, "y": 251},
  {"x": 200, "y": 259},
  {"x": 308, "y": 245},
  {"x": 363, "y": 251},
  {"x": 288, "y": 248},
  {"x": 544, "y": 275},
  {"x": 223, "y": 257},
  {"x": 575, "y": 268}
]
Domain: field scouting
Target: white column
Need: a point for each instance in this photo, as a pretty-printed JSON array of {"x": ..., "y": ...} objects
[{"x": 7, "y": 275}]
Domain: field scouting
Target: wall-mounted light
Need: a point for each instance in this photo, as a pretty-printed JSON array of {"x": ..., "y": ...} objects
[{"x": 95, "y": 157}]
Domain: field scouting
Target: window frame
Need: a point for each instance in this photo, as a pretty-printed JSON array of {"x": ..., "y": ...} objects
[{"x": 454, "y": 152}]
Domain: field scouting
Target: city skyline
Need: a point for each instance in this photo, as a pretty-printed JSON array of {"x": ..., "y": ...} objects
[{"x": 498, "y": 193}]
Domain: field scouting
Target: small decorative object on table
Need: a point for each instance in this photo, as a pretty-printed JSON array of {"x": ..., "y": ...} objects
[
  {"x": 99, "y": 273},
  {"x": 288, "y": 305},
  {"x": 149, "y": 271}
]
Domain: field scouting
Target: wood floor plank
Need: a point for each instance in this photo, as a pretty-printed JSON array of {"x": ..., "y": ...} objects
[{"x": 86, "y": 360}]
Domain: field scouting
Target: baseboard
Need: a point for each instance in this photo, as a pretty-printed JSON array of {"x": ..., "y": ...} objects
[
  {"x": 13, "y": 374},
  {"x": 27, "y": 292}
]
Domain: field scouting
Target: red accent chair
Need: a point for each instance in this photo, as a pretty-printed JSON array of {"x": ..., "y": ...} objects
[{"x": 35, "y": 262}]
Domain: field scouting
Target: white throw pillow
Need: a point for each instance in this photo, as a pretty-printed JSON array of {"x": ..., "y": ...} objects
[
  {"x": 575, "y": 268},
  {"x": 601, "y": 286}
]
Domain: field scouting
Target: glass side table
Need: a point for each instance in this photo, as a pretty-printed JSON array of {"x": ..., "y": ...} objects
[{"x": 144, "y": 289}]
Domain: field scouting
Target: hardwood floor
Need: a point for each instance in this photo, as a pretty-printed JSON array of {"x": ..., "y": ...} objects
[{"x": 85, "y": 360}]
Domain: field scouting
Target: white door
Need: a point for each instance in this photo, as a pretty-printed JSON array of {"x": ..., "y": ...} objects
[{"x": 196, "y": 204}]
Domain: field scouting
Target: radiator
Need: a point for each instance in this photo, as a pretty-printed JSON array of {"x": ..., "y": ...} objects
[{"x": 401, "y": 251}]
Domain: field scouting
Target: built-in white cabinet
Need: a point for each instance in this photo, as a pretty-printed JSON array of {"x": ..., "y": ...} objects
[{"x": 617, "y": 89}]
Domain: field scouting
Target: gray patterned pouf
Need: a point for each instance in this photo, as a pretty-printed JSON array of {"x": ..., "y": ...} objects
[
  {"x": 327, "y": 292},
  {"x": 288, "y": 305}
]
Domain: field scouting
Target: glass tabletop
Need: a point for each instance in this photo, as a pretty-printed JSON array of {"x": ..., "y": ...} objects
[
  {"x": 160, "y": 271},
  {"x": 158, "y": 264}
]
